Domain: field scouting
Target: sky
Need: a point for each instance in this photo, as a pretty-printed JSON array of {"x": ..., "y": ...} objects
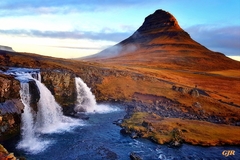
[{"x": 77, "y": 28}]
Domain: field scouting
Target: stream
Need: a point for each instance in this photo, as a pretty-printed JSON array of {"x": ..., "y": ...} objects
[{"x": 99, "y": 138}]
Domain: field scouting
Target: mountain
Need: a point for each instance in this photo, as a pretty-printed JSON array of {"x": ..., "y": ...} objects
[{"x": 161, "y": 43}]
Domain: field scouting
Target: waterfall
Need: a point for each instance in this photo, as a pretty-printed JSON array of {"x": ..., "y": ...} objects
[
  {"x": 30, "y": 140},
  {"x": 48, "y": 119},
  {"x": 27, "y": 118},
  {"x": 86, "y": 101}
]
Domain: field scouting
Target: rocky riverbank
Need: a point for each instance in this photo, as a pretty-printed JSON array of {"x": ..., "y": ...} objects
[{"x": 175, "y": 131}]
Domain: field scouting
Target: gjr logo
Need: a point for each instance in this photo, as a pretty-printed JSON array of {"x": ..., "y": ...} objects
[{"x": 227, "y": 153}]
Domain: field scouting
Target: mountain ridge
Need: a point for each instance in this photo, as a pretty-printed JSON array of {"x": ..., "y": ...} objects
[{"x": 161, "y": 43}]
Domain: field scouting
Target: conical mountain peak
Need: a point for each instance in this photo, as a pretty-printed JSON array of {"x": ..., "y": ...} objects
[
  {"x": 161, "y": 43},
  {"x": 159, "y": 20}
]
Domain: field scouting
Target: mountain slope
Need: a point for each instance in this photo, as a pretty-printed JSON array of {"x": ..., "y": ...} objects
[{"x": 161, "y": 43}]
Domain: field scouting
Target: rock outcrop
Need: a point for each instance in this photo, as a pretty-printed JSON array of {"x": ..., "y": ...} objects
[
  {"x": 61, "y": 83},
  {"x": 11, "y": 107},
  {"x": 5, "y": 155}
]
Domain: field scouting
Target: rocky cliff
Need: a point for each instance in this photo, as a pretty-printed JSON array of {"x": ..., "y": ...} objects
[{"x": 11, "y": 106}]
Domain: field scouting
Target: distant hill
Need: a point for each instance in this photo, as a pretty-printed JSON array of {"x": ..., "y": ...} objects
[
  {"x": 6, "y": 48},
  {"x": 161, "y": 43}
]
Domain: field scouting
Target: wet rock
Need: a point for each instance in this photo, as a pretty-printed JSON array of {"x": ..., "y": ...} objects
[
  {"x": 81, "y": 116},
  {"x": 176, "y": 138},
  {"x": 174, "y": 144},
  {"x": 134, "y": 156},
  {"x": 123, "y": 131},
  {"x": 118, "y": 122},
  {"x": 35, "y": 94},
  {"x": 134, "y": 135}
]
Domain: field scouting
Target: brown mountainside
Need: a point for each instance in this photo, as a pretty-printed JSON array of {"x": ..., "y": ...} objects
[{"x": 161, "y": 43}]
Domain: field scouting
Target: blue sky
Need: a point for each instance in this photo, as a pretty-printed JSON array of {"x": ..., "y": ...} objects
[{"x": 76, "y": 28}]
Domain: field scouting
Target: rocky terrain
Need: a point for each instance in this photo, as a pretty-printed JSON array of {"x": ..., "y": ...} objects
[
  {"x": 178, "y": 78},
  {"x": 168, "y": 82}
]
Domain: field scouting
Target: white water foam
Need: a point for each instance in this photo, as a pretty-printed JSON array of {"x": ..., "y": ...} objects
[{"x": 86, "y": 100}]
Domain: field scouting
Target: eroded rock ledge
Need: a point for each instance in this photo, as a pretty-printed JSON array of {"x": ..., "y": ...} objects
[{"x": 11, "y": 107}]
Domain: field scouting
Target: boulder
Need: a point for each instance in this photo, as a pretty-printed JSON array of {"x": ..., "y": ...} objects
[
  {"x": 134, "y": 156},
  {"x": 5, "y": 155},
  {"x": 194, "y": 92}
]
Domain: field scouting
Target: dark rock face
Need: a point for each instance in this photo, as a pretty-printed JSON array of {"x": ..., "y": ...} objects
[
  {"x": 11, "y": 107},
  {"x": 62, "y": 86},
  {"x": 35, "y": 94},
  {"x": 157, "y": 21}
]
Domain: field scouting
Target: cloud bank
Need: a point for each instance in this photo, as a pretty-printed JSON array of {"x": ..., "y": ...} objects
[
  {"x": 112, "y": 36},
  {"x": 38, "y": 7},
  {"x": 217, "y": 38}
]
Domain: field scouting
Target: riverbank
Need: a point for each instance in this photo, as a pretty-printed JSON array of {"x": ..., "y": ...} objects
[
  {"x": 175, "y": 131},
  {"x": 99, "y": 138}
]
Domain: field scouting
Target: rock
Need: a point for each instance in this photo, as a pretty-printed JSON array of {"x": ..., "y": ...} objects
[
  {"x": 176, "y": 138},
  {"x": 194, "y": 92},
  {"x": 175, "y": 144},
  {"x": 81, "y": 116},
  {"x": 123, "y": 131},
  {"x": 134, "y": 156},
  {"x": 10, "y": 88},
  {"x": 61, "y": 83},
  {"x": 11, "y": 107},
  {"x": 118, "y": 122},
  {"x": 5, "y": 155},
  {"x": 35, "y": 94},
  {"x": 134, "y": 135},
  {"x": 197, "y": 105}
]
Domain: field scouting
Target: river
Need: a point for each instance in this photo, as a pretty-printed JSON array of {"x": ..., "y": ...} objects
[{"x": 99, "y": 138}]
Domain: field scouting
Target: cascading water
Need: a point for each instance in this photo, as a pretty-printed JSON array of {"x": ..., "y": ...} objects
[
  {"x": 30, "y": 141},
  {"x": 49, "y": 112},
  {"x": 86, "y": 101},
  {"x": 49, "y": 117}
]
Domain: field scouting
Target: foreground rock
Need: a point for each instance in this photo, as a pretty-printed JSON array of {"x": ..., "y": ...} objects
[{"x": 5, "y": 155}]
